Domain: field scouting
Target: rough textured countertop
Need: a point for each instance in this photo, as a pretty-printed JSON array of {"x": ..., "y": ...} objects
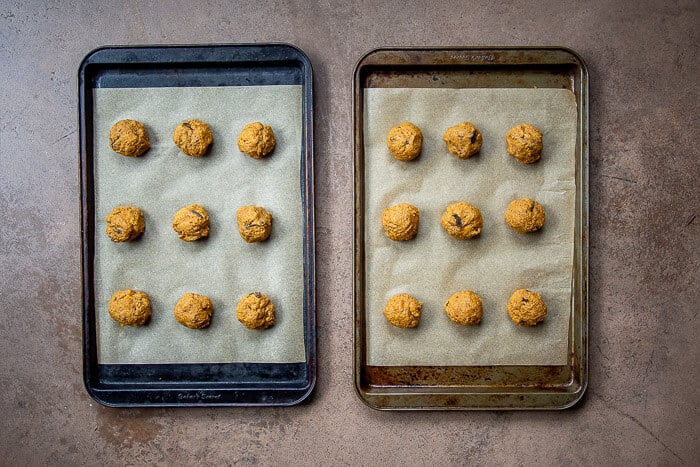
[{"x": 641, "y": 406}]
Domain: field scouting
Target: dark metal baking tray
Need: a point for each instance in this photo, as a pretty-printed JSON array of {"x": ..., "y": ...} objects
[
  {"x": 474, "y": 387},
  {"x": 224, "y": 384}
]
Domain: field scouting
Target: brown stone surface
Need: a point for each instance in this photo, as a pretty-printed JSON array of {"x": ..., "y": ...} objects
[{"x": 642, "y": 403}]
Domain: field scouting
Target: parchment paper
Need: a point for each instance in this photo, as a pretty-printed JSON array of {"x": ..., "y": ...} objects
[
  {"x": 223, "y": 266},
  {"x": 433, "y": 266}
]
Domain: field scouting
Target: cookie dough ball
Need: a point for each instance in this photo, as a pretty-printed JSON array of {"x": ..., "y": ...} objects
[
  {"x": 463, "y": 140},
  {"x": 256, "y": 140},
  {"x": 525, "y": 215},
  {"x": 401, "y": 221},
  {"x": 191, "y": 223},
  {"x": 464, "y": 308},
  {"x": 194, "y": 311},
  {"x": 193, "y": 137},
  {"x": 405, "y": 141},
  {"x": 125, "y": 223},
  {"x": 129, "y": 138},
  {"x": 524, "y": 142},
  {"x": 254, "y": 223},
  {"x": 256, "y": 311},
  {"x": 403, "y": 311},
  {"x": 130, "y": 308},
  {"x": 462, "y": 220},
  {"x": 526, "y": 307}
]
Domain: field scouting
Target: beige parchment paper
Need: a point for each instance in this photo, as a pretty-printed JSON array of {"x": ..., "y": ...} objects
[
  {"x": 433, "y": 266},
  {"x": 223, "y": 266}
]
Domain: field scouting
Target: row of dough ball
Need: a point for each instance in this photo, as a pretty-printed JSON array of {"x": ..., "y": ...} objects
[
  {"x": 126, "y": 223},
  {"x": 523, "y": 141},
  {"x": 130, "y": 138},
  {"x": 461, "y": 220},
  {"x": 465, "y": 308},
  {"x": 133, "y": 308}
]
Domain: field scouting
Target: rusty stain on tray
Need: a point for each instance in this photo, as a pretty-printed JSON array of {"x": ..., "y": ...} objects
[{"x": 528, "y": 376}]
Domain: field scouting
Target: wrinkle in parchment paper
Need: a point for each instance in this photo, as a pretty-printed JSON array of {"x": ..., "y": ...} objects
[
  {"x": 223, "y": 266},
  {"x": 433, "y": 266}
]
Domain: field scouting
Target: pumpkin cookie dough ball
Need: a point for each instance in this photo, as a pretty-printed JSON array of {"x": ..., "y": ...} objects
[
  {"x": 193, "y": 311},
  {"x": 191, "y": 223},
  {"x": 254, "y": 223},
  {"x": 129, "y": 138},
  {"x": 403, "y": 311},
  {"x": 464, "y": 308},
  {"x": 256, "y": 140},
  {"x": 525, "y": 215},
  {"x": 405, "y": 141},
  {"x": 256, "y": 311},
  {"x": 130, "y": 308},
  {"x": 524, "y": 142},
  {"x": 526, "y": 307},
  {"x": 462, "y": 220},
  {"x": 401, "y": 221},
  {"x": 193, "y": 137},
  {"x": 463, "y": 140},
  {"x": 125, "y": 223}
]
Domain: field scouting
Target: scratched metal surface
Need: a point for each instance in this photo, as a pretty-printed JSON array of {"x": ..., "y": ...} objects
[{"x": 641, "y": 405}]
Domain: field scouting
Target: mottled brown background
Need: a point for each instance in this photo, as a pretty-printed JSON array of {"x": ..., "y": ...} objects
[{"x": 642, "y": 402}]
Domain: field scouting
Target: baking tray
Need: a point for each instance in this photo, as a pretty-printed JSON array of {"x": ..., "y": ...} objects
[
  {"x": 474, "y": 387},
  {"x": 196, "y": 384}
]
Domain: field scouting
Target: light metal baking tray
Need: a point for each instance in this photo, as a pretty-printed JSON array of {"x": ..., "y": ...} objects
[{"x": 473, "y": 387}]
